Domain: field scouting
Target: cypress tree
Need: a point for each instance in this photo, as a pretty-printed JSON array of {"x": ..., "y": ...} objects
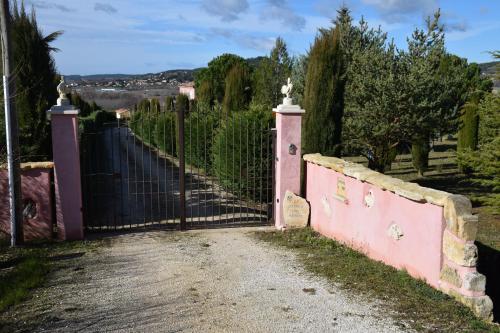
[
  {"x": 324, "y": 95},
  {"x": 237, "y": 92},
  {"x": 169, "y": 104}
]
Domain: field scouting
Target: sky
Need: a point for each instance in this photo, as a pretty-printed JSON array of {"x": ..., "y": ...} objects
[{"x": 148, "y": 36}]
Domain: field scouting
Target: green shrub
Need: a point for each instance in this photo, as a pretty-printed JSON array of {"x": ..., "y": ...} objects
[
  {"x": 468, "y": 131},
  {"x": 199, "y": 135},
  {"x": 420, "y": 154},
  {"x": 96, "y": 121},
  {"x": 165, "y": 134},
  {"x": 243, "y": 155}
]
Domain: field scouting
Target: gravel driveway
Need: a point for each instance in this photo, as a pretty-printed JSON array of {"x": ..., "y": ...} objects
[{"x": 200, "y": 281}]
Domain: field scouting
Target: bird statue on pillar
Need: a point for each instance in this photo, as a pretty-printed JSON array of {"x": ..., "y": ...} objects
[
  {"x": 62, "y": 89},
  {"x": 287, "y": 90}
]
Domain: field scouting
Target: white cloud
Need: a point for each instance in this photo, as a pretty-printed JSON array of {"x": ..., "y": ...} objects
[
  {"x": 394, "y": 11},
  {"x": 227, "y": 10},
  {"x": 48, "y": 5},
  {"x": 245, "y": 40},
  {"x": 104, "y": 7},
  {"x": 281, "y": 11}
]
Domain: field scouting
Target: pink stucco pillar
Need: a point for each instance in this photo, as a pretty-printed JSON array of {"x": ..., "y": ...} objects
[
  {"x": 288, "y": 154},
  {"x": 66, "y": 154}
]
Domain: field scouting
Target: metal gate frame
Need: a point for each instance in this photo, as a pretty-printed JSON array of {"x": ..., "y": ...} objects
[{"x": 101, "y": 191}]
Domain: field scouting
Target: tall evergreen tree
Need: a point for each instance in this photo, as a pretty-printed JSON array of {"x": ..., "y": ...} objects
[
  {"x": 238, "y": 92},
  {"x": 324, "y": 95},
  {"x": 271, "y": 74},
  {"x": 36, "y": 82},
  {"x": 299, "y": 71},
  {"x": 215, "y": 74}
]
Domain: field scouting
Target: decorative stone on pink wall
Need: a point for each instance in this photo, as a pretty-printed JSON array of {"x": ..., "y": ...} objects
[
  {"x": 427, "y": 232},
  {"x": 37, "y": 201}
]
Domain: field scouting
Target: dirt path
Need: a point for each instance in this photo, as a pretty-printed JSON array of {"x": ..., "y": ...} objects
[{"x": 200, "y": 281}]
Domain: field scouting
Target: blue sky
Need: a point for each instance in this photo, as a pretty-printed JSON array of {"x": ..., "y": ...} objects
[{"x": 132, "y": 36}]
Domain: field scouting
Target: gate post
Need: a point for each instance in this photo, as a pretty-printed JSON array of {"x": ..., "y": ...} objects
[
  {"x": 288, "y": 154},
  {"x": 66, "y": 154}
]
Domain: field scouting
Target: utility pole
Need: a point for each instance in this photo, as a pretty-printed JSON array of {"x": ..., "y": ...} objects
[{"x": 12, "y": 134}]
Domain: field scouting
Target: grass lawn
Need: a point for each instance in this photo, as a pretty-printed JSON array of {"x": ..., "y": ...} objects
[
  {"x": 25, "y": 268},
  {"x": 411, "y": 301}
]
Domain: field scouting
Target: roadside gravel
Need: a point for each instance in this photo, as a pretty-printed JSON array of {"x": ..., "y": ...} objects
[{"x": 221, "y": 280}]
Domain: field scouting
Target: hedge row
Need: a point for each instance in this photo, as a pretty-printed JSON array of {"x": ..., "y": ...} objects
[{"x": 237, "y": 149}]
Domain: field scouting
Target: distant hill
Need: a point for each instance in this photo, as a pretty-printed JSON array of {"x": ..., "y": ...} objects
[
  {"x": 490, "y": 69},
  {"x": 181, "y": 75}
]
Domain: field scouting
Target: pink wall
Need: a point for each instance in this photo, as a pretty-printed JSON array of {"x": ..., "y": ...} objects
[
  {"x": 35, "y": 186},
  {"x": 366, "y": 228}
]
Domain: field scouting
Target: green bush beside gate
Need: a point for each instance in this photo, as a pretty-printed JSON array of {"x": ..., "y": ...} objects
[
  {"x": 242, "y": 154},
  {"x": 199, "y": 132},
  {"x": 236, "y": 149}
]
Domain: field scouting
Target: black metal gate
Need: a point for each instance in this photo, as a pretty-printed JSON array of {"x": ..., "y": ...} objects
[{"x": 160, "y": 170}]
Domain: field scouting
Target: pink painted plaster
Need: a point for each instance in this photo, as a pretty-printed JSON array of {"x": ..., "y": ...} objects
[
  {"x": 65, "y": 145},
  {"x": 419, "y": 251},
  {"x": 35, "y": 185},
  {"x": 288, "y": 127}
]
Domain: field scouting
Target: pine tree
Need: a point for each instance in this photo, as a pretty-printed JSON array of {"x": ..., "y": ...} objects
[
  {"x": 215, "y": 74},
  {"x": 237, "y": 93},
  {"x": 271, "y": 74},
  {"x": 324, "y": 95}
]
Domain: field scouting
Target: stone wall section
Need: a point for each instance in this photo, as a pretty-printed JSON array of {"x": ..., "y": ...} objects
[
  {"x": 36, "y": 190},
  {"x": 459, "y": 277}
]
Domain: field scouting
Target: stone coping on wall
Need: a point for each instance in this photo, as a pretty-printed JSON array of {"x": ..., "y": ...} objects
[
  {"x": 32, "y": 165},
  {"x": 458, "y": 248},
  {"x": 404, "y": 189}
]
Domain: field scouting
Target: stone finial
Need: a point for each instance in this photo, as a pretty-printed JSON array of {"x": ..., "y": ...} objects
[
  {"x": 63, "y": 90},
  {"x": 287, "y": 90}
]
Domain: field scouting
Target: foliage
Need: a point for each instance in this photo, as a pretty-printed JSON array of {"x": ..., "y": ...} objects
[
  {"x": 36, "y": 82},
  {"x": 271, "y": 74},
  {"x": 95, "y": 121},
  {"x": 199, "y": 136},
  {"x": 374, "y": 90},
  {"x": 169, "y": 104},
  {"x": 434, "y": 83},
  {"x": 29, "y": 273},
  {"x": 242, "y": 153},
  {"x": 420, "y": 149},
  {"x": 85, "y": 108},
  {"x": 215, "y": 74},
  {"x": 143, "y": 121},
  {"x": 237, "y": 94},
  {"x": 164, "y": 134},
  {"x": 324, "y": 95},
  {"x": 182, "y": 103},
  {"x": 485, "y": 162},
  {"x": 298, "y": 76},
  {"x": 468, "y": 125}
]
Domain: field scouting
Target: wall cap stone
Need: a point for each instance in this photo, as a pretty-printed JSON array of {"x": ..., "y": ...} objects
[
  {"x": 404, "y": 189},
  {"x": 32, "y": 165}
]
